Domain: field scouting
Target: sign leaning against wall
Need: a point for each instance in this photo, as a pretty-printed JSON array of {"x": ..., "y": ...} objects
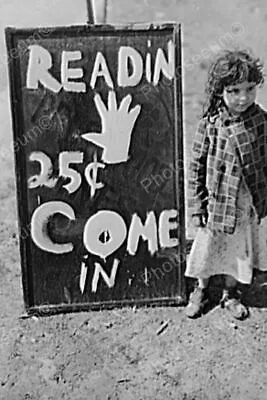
[{"x": 97, "y": 120}]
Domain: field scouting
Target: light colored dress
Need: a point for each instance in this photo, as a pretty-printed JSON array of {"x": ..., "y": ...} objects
[{"x": 236, "y": 254}]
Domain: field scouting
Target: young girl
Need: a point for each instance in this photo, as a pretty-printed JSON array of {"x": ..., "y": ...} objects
[{"x": 228, "y": 180}]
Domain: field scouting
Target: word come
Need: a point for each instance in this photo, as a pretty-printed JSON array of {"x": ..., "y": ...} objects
[{"x": 108, "y": 223}]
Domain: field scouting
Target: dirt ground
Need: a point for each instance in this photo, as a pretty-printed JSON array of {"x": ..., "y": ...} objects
[{"x": 118, "y": 355}]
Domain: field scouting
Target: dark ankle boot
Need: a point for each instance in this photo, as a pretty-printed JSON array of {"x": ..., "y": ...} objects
[
  {"x": 197, "y": 301},
  {"x": 231, "y": 301}
]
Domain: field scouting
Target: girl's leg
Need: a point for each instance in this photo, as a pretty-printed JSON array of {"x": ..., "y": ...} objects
[
  {"x": 198, "y": 299},
  {"x": 231, "y": 299}
]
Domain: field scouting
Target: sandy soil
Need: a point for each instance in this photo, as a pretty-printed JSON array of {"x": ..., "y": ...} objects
[{"x": 117, "y": 355}]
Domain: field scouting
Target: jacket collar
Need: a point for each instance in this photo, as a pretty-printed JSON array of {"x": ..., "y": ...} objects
[{"x": 227, "y": 118}]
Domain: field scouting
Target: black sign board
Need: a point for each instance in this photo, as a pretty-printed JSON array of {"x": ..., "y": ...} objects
[{"x": 97, "y": 118}]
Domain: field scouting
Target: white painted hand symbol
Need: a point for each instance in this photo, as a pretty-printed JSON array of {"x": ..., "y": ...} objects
[{"x": 117, "y": 127}]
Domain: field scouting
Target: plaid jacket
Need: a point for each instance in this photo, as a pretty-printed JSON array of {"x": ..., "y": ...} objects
[{"x": 225, "y": 150}]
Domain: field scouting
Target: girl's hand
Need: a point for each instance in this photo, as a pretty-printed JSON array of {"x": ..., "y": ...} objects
[{"x": 199, "y": 220}]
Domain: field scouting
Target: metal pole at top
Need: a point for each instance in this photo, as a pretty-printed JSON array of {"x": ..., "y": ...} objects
[
  {"x": 90, "y": 12},
  {"x": 97, "y": 11}
]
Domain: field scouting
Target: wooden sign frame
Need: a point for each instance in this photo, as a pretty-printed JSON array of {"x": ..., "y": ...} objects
[{"x": 43, "y": 286}]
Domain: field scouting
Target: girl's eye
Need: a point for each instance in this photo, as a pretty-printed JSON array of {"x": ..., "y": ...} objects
[{"x": 235, "y": 91}]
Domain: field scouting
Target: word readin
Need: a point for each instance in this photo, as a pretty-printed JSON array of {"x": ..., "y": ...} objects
[{"x": 40, "y": 62}]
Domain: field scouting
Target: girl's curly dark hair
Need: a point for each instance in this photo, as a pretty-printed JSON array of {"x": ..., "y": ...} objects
[{"x": 230, "y": 68}]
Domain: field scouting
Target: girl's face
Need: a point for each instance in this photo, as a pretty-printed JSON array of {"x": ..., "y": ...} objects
[{"x": 239, "y": 97}]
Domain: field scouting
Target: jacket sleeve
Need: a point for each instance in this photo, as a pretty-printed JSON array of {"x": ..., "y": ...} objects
[{"x": 198, "y": 193}]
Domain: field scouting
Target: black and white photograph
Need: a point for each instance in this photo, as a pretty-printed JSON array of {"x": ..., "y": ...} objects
[{"x": 133, "y": 200}]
